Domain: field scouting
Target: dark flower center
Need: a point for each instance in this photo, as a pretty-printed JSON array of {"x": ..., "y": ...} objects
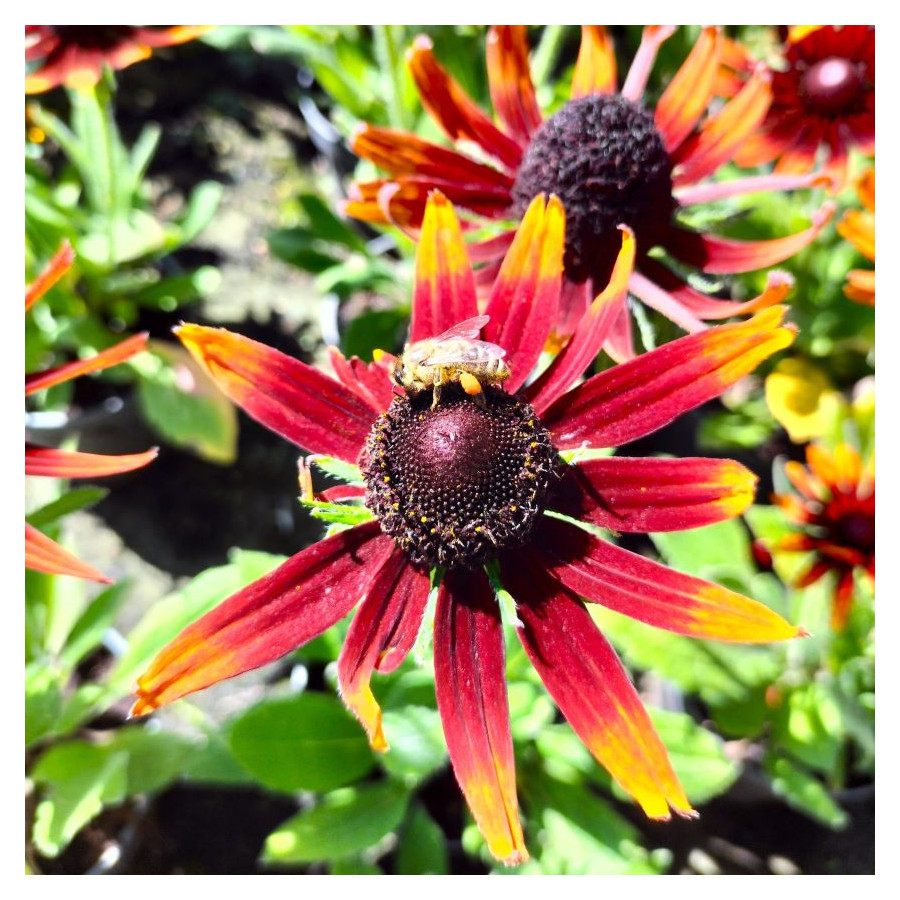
[
  {"x": 858, "y": 530},
  {"x": 605, "y": 159},
  {"x": 831, "y": 86},
  {"x": 456, "y": 484}
]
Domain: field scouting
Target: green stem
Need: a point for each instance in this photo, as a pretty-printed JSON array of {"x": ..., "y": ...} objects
[
  {"x": 545, "y": 56},
  {"x": 388, "y": 59}
]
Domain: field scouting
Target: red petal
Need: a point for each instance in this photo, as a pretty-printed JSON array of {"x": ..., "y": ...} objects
[
  {"x": 289, "y": 397},
  {"x": 638, "y": 397},
  {"x": 371, "y": 382},
  {"x": 51, "y": 273},
  {"x": 595, "y": 68},
  {"x": 663, "y": 302},
  {"x": 470, "y": 682},
  {"x": 383, "y": 631},
  {"x": 690, "y": 90},
  {"x": 524, "y": 300},
  {"x": 651, "y": 39},
  {"x": 629, "y": 494},
  {"x": 509, "y": 77},
  {"x": 589, "y": 684},
  {"x": 619, "y": 342},
  {"x": 342, "y": 492},
  {"x": 444, "y": 293},
  {"x": 590, "y": 333},
  {"x": 112, "y": 356},
  {"x": 649, "y": 592},
  {"x": 45, "y": 555},
  {"x": 711, "y": 191},
  {"x": 71, "y": 464},
  {"x": 452, "y": 108},
  {"x": 276, "y": 614}
]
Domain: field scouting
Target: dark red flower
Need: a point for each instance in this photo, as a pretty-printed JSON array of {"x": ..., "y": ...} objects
[
  {"x": 464, "y": 482},
  {"x": 611, "y": 162},
  {"x": 74, "y": 55},
  {"x": 835, "y": 511},
  {"x": 823, "y": 99},
  {"x": 42, "y": 553}
]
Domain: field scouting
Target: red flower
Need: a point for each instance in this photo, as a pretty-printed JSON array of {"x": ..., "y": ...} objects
[
  {"x": 609, "y": 160},
  {"x": 836, "y": 511},
  {"x": 41, "y": 552},
  {"x": 463, "y": 483},
  {"x": 74, "y": 55},
  {"x": 823, "y": 97},
  {"x": 859, "y": 228}
]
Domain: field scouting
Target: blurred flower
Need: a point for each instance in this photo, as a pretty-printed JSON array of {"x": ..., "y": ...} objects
[
  {"x": 609, "y": 160},
  {"x": 802, "y": 399},
  {"x": 859, "y": 228},
  {"x": 836, "y": 511},
  {"x": 74, "y": 55},
  {"x": 823, "y": 91},
  {"x": 460, "y": 484},
  {"x": 42, "y": 553}
]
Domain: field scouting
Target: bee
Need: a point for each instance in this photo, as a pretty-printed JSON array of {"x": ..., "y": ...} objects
[{"x": 457, "y": 355}]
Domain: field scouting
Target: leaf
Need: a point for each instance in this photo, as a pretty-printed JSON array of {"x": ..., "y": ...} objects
[
  {"x": 339, "y": 469},
  {"x": 43, "y": 701},
  {"x": 299, "y": 248},
  {"x": 88, "y": 631},
  {"x": 346, "y": 821},
  {"x": 307, "y": 742},
  {"x": 371, "y": 331},
  {"x": 71, "y": 501},
  {"x": 327, "y": 226},
  {"x": 809, "y": 725},
  {"x": 805, "y": 792},
  {"x": 202, "y": 206},
  {"x": 724, "y": 546},
  {"x": 422, "y": 849},
  {"x": 181, "y": 402},
  {"x": 697, "y": 755},
  {"x": 417, "y": 742}
]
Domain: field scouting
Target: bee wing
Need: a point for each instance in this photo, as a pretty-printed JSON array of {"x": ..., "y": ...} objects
[
  {"x": 450, "y": 354},
  {"x": 468, "y": 330}
]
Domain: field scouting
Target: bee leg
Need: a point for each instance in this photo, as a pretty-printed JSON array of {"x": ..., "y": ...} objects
[
  {"x": 436, "y": 390},
  {"x": 472, "y": 386}
]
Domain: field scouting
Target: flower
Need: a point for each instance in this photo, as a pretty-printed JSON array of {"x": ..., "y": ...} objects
[
  {"x": 859, "y": 228},
  {"x": 42, "y": 553},
  {"x": 610, "y": 161},
  {"x": 472, "y": 482},
  {"x": 823, "y": 97},
  {"x": 802, "y": 399},
  {"x": 836, "y": 511},
  {"x": 74, "y": 55}
]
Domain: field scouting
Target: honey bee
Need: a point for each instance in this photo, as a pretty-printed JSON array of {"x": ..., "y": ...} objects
[{"x": 457, "y": 355}]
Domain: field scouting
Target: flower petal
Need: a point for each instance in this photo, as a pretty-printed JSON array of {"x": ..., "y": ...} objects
[
  {"x": 619, "y": 344},
  {"x": 470, "y": 683},
  {"x": 590, "y": 333},
  {"x": 261, "y": 623},
  {"x": 383, "y": 631},
  {"x": 444, "y": 293},
  {"x": 112, "y": 356},
  {"x": 639, "y": 397},
  {"x": 71, "y": 464},
  {"x": 524, "y": 299},
  {"x": 690, "y": 90},
  {"x": 663, "y": 302},
  {"x": 859, "y": 228},
  {"x": 589, "y": 684},
  {"x": 287, "y": 396},
  {"x": 371, "y": 382},
  {"x": 860, "y": 286},
  {"x": 643, "y": 495},
  {"x": 595, "y": 68},
  {"x": 45, "y": 555},
  {"x": 651, "y": 39},
  {"x": 509, "y": 78},
  {"x": 51, "y": 273},
  {"x": 709, "y": 192},
  {"x": 453, "y": 109},
  {"x": 649, "y": 592}
]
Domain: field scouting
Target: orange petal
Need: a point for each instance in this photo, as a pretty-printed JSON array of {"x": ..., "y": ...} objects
[
  {"x": 595, "y": 68},
  {"x": 509, "y": 77},
  {"x": 45, "y": 555},
  {"x": 859, "y": 228},
  {"x": 54, "y": 270}
]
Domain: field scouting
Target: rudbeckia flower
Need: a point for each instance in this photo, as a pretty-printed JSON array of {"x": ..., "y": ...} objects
[
  {"x": 823, "y": 98},
  {"x": 42, "y": 553},
  {"x": 835, "y": 508},
  {"x": 496, "y": 478},
  {"x": 74, "y": 55},
  {"x": 859, "y": 228},
  {"x": 608, "y": 158}
]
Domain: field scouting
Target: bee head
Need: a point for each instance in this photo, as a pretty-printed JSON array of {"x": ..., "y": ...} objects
[{"x": 399, "y": 372}]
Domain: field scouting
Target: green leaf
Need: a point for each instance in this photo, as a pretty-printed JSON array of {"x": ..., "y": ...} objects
[
  {"x": 71, "y": 501},
  {"x": 346, "y": 821},
  {"x": 88, "y": 631},
  {"x": 724, "y": 546},
  {"x": 805, "y": 792},
  {"x": 308, "y": 742},
  {"x": 809, "y": 725},
  {"x": 339, "y": 469},
  {"x": 299, "y": 248},
  {"x": 181, "y": 402},
  {"x": 337, "y": 513},
  {"x": 326, "y": 226},
  {"x": 417, "y": 742},
  {"x": 43, "y": 700},
  {"x": 371, "y": 331},
  {"x": 422, "y": 849},
  {"x": 697, "y": 755}
]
